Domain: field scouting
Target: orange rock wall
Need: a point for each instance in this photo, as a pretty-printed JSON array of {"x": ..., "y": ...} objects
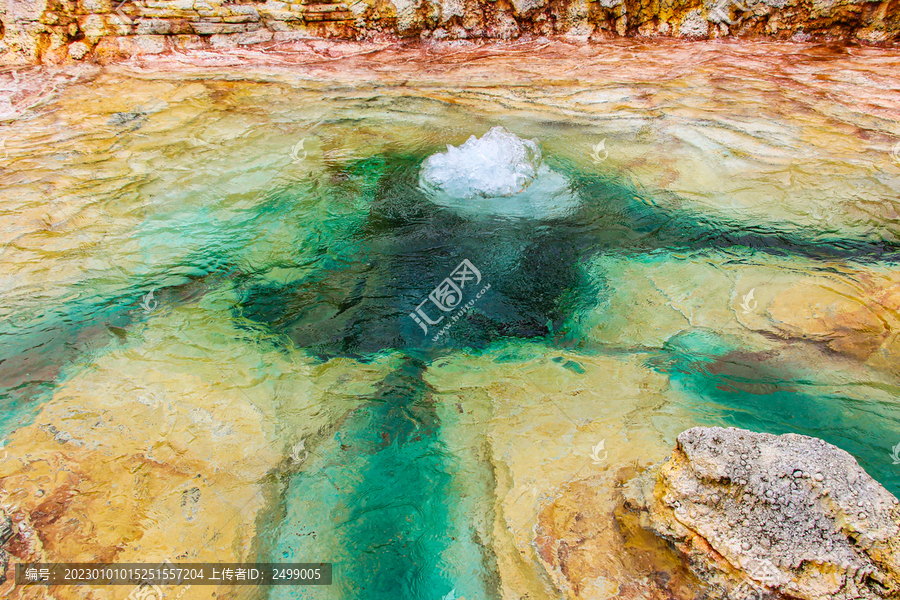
[{"x": 64, "y": 30}]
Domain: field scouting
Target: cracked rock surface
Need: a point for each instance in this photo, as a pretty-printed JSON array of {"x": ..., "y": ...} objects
[{"x": 765, "y": 516}]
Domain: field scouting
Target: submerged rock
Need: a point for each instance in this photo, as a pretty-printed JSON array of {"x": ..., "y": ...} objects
[
  {"x": 522, "y": 421},
  {"x": 760, "y": 515},
  {"x": 855, "y": 317},
  {"x": 131, "y": 463}
]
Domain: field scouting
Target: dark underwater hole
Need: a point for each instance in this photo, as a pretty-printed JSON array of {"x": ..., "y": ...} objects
[{"x": 407, "y": 247}]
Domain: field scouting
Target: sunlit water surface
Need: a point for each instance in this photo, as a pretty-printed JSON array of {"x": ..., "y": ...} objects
[{"x": 719, "y": 173}]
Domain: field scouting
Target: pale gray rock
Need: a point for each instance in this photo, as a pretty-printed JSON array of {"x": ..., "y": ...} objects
[
  {"x": 97, "y": 7},
  {"x": 524, "y": 7},
  {"x": 78, "y": 50},
  {"x": 154, "y": 26},
  {"x": 788, "y": 514},
  {"x": 694, "y": 24}
]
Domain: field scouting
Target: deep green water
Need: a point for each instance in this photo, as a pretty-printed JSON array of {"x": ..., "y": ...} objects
[{"x": 382, "y": 487}]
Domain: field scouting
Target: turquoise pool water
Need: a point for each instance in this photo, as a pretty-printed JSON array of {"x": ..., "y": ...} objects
[{"x": 395, "y": 453}]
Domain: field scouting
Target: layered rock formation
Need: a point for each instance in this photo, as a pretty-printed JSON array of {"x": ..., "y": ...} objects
[
  {"x": 536, "y": 420},
  {"x": 54, "y": 31},
  {"x": 732, "y": 514},
  {"x": 773, "y": 516}
]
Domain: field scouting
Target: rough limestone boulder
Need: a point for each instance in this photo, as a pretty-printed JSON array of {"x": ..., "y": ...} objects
[{"x": 765, "y": 516}]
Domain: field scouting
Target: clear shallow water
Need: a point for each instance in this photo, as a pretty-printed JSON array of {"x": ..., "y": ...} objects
[{"x": 284, "y": 283}]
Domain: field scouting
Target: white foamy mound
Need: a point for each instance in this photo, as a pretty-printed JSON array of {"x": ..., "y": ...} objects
[{"x": 499, "y": 174}]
